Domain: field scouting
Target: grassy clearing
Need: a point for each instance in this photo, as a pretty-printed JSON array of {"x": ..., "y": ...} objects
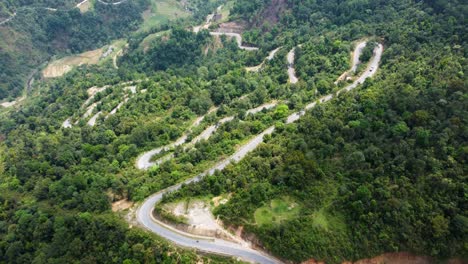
[
  {"x": 162, "y": 11},
  {"x": 328, "y": 222},
  {"x": 146, "y": 43},
  {"x": 319, "y": 219},
  {"x": 277, "y": 211}
]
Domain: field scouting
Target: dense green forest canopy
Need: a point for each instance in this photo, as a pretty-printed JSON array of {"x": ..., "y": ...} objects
[{"x": 380, "y": 169}]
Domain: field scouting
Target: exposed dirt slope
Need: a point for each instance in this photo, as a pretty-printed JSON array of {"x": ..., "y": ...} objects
[
  {"x": 60, "y": 67},
  {"x": 393, "y": 258},
  {"x": 271, "y": 13}
]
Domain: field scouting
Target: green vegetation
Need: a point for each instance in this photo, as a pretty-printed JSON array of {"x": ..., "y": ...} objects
[
  {"x": 379, "y": 169},
  {"x": 372, "y": 169},
  {"x": 35, "y": 34},
  {"x": 277, "y": 211},
  {"x": 319, "y": 219},
  {"x": 168, "y": 216}
]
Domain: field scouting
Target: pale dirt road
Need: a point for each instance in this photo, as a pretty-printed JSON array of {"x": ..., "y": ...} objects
[
  {"x": 144, "y": 161},
  {"x": 355, "y": 61},
  {"x": 291, "y": 70},
  {"x": 271, "y": 55},
  {"x": 116, "y": 3},
  {"x": 238, "y": 38}
]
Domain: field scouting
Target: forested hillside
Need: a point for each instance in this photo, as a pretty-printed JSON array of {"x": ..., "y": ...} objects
[
  {"x": 381, "y": 168},
  {"x": 9, "y": 7},
  {"x": 40, "y": 29}
]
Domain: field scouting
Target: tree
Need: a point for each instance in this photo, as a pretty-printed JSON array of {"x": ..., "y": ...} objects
[
  {"x": 440, "y": 226},
  {"x": 281, "y": 111}
]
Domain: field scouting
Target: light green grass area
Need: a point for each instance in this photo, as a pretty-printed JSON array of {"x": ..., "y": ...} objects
[
  {"x": 324, "y": 220},
  {"x": 319, "y": 219},
  {"x": 145, "y": 44},
  {"x": 161, "y": 11},
  {"x": 277, "y": 211}
]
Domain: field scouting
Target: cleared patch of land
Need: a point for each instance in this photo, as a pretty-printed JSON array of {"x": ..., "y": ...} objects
[
  {"x": 121, "y": 205},
  {"x": 60, "y": 67},
  {"x": 199, "y": 219},
  {"x": 162, "y": 11},
  {"x": 12, "y": 103},
  {"x": 113, "y": 51},
  {"x": 277, "y": 211},
  {"x": 84, "y": 6},
  {"x": 222, "y": 199},
  {"x": 197, "y": 213}
]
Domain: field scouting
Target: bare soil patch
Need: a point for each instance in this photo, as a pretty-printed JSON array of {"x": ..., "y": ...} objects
[
  {"x": 220, "y": 200},
  {"x": 392, "y": 258},
  {"x": 121, "y": 205},
  {"x": 12, "y": 103},
  {"x": 231, "y": 27},
  {"x": 60, "y": 67},
  {"x": 272, "y": 12},
  {"x": 84, "y": 6},
  {"x": 200, "y": 220},
  {"x": 197, "y": 213}
]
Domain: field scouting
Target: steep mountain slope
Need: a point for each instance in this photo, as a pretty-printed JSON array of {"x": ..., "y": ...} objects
[
  {"x": 42, "y": 29},
  {"x": 381, "y": 168},
  {"x": 372, "y": 171}
]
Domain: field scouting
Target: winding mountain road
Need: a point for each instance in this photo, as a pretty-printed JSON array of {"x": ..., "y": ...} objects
[
  {"x": 355, "y": 61},
  {"x": 56, "y": 9},
  {"x": 291, "y": 70},
  {"x": 370, "y": 70},
  {"x": 116, "y": 3},
  {"x": 207, "y": 24},
  {"x": 144, "y": 161},
  {"x": 92, "y": 92},
  {"x": 270, "y": 56},
  {"x": 238, "y": 39},
  {"x": 81, "y": 3},
  {"x": 50, "y": 9},
  {"x": 218, "y": 246}
]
